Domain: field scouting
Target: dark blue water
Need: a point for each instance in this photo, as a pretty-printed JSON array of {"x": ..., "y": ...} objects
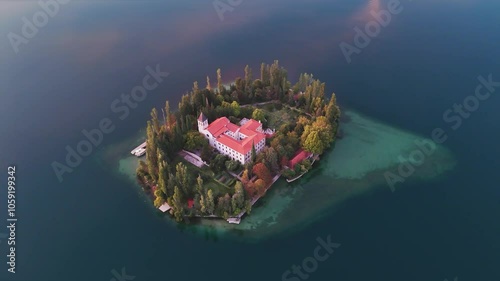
[{"x": 66, "y": 77}]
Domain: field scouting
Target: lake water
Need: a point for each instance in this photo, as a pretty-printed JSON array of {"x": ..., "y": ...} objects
[{"x": 96, "y": 222}]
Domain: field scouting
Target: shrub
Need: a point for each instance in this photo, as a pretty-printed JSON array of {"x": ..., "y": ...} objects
[
  {"x": 232, "y": 165},
  {"x": 289, "y": 173}
]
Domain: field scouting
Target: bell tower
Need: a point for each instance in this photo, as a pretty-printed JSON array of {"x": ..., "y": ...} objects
[{"x": 202, "y": 122}]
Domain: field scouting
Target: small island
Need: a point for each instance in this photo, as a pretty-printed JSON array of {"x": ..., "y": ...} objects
[{"x": 225, "y": 146}]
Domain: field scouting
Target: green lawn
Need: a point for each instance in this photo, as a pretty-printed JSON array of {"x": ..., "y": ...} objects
[
  {"x": 218, "y": 188},
  {"x": 276, "y": 118}
]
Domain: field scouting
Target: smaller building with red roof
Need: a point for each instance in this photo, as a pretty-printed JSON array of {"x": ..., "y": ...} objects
[
  {"x": 301, "y": 155},
  {"x": 190, "y": 203}
]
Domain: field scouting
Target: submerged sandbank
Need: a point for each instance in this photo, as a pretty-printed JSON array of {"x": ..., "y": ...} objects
[{"x": 356, "y": 165}]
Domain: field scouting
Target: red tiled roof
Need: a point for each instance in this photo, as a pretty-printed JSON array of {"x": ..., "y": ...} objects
[
  {"x": 218, "y": 127},
  {"x": 246, "y": 131},
  {"x": 301, "y": 155},
  {"x": 232, "y": 143},
  {"x": 221, "y": 125},
  {"x": 243, "y": 146},
  {"x": 251, "y": 125},
  {"x": 232, "y": 127}
]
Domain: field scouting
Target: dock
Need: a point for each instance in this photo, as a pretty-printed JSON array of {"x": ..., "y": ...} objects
[
  {"x": 234, "y": 220},
  {"x": 165, "y": 207},
  {"x": 140, "y": 150},
  {"x": 315, "y": 157}
]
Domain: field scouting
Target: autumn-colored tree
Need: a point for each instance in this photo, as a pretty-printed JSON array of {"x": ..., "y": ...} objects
[
  {"x": 209, "y": 87},
  {"x": 250, "y": 189},
  {"x": 259, "y": 186},
  {"x": 244, "y": 177},
  {"x": 284, "y": 161},
  {"x": 312, "y": 141},
  {"x": 203, "y": 205},
  {"x": 220, "y": 87},
  {"x": 262, "y": 172},
  {"x": 210, "y": 203},
  {"x": 317, "y": 136},
  {"x": 160, "y": 198}
]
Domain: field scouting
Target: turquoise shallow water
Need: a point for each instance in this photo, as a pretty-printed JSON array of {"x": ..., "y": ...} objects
[
  {"x": 356, "y": 165},
  {"x": 425, "y": 61}
]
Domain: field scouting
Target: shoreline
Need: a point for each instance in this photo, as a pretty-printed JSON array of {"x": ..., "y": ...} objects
[{"x": 287, "y": 206}]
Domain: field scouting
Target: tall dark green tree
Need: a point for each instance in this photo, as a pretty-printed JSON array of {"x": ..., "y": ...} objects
[
  {"x": 209, "y": 87},
  {"x": 248, "y": 79},
  {"x": 182, "y": 177},
  {"x": 238, "y": 199},
  {"x": 151, "y": 152},
  {"x": 199, "y": 185},
  {"x": 264, "y": 74},
  {"x": 168, "y": 116},
  {"x": 155, "y": 121},
  {"x": 332, "y": 111},
  {"x": 210, "y": 202},
  {"x": 162, "y": 177},
  {"x": 177, "y": 205},
  {"x": 254, "y": 153}
]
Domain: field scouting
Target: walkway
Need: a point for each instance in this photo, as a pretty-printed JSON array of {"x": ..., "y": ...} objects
[{"x": 192, "y": 158}]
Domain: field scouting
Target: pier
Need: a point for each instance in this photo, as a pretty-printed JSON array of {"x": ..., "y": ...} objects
[
  {"x": 315, "y": 157},
  {"x": 165, "y": 207},
  {"x": 140, "y": 150}
]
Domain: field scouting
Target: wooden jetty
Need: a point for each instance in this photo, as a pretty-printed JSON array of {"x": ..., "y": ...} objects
[{"x": 140, "y": 150}]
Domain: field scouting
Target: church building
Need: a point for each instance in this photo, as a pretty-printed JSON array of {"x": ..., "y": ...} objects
[{"x": 232, "y": 140}]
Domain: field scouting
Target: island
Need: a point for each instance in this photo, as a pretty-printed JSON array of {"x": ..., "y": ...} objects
[{"x": 226, "y": 146}]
